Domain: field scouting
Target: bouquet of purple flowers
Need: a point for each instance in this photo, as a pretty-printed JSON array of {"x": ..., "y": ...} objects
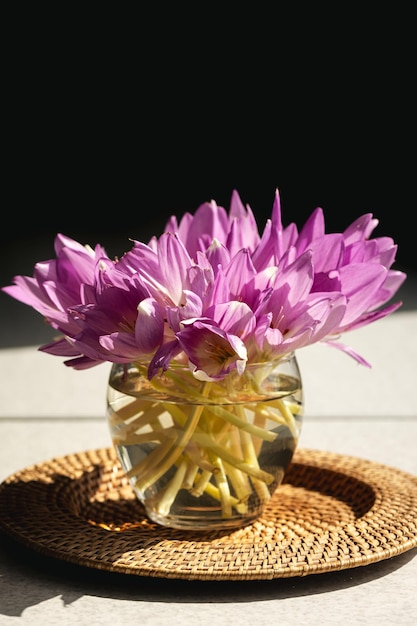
[{"x": 214, "y": 293}]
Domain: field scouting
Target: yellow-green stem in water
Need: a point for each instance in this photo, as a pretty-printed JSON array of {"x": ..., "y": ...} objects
[{"x": 177, "y": 447}]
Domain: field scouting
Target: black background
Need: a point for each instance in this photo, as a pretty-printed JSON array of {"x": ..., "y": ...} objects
[{"x": 114, "y": 123}]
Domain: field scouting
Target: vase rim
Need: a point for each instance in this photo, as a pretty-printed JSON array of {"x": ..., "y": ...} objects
[{"x": 272, "y": 363}]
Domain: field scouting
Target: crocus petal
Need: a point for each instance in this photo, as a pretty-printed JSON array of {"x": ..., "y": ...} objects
[
  {"x": 360, "y": 229},
  {"x": 121, "y": 348},
  {"x": 212, "y": 352},
  {"x": 83, "y": 363},
  {"x": 349, "y": 351},
  {"x": 163, "y": 357},
  {"x": 209, "y": 222},
  {"x": 360, "y": 283},
  {"x": 234, "y": 317},
  {"x": 294, "y": 283},
  {"x": 239, "y": 273},
  {"x": 60, "y": 347},
  {"x": 174, "y": 262},
  {"x": 192, "y": 309},
  {"x": 149, "y": 327},
  {"x": 312, "y": 229},
  {"x": 370, "y": 317},
  {"x": 243, "y": 231},
  {"x": 389, "y": 288}
]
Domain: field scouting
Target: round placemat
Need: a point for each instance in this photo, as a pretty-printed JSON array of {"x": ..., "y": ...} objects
[{"x": 332, "y": 512}]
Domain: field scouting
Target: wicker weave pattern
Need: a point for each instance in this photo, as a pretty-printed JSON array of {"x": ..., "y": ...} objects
[{"x": 332, "y": 512}]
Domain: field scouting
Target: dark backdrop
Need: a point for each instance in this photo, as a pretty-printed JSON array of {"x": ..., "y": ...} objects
[
  {"x": 108, "y": 130},
  {"x": 98, "y": 184},
  {"x": 113, "y": 121}
]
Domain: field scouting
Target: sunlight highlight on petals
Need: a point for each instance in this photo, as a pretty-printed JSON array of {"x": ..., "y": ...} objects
[{"x": 214, "y": 291}]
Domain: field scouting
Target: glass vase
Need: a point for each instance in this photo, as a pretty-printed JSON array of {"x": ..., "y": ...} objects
[{"x": 205, "y": 455}]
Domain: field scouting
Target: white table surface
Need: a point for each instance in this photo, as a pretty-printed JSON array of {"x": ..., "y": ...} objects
[{"x": 48, "y": 410}]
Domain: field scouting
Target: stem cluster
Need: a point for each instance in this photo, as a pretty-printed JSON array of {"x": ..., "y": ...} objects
[{"x": 203, "y": 442}]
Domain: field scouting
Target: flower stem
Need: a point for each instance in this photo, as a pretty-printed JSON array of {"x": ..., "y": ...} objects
[
  {"x": 196, "y": 436},
  {"x": 175, "y": 449},
  {"x": 170, "y": 492}
]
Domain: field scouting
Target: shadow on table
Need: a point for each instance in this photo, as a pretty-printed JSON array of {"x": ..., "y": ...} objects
[{"x": 50, "y": 578}]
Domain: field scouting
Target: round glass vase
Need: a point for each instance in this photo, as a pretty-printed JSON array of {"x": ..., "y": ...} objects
[{"x": 205, "y": 455}]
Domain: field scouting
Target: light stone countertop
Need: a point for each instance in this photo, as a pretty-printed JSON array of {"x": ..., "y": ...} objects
[{"x": 48, "y": 410}]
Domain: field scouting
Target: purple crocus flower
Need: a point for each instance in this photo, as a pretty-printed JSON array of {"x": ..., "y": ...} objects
[{"x": 213, "y": 292}]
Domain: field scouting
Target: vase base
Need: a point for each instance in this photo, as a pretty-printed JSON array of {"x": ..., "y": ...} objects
[{"x": 194, "y": 522}]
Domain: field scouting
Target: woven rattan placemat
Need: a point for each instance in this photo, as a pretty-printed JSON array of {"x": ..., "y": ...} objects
[{"x": 333, "y": 512}]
